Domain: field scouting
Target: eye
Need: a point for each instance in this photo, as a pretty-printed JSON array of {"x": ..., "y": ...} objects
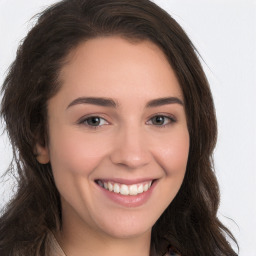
[
  {"x": 161, "y": 120},
  {"x": 93, "y": 121}
]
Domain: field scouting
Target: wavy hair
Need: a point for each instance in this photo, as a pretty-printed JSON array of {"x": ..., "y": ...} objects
[{"x": 190, "y": 222}]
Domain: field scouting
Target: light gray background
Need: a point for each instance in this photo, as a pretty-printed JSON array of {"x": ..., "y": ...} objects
[{"x": 224, "y": 32}]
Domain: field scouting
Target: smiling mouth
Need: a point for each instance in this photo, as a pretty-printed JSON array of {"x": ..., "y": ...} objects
[{"x": 123, "y": 189}]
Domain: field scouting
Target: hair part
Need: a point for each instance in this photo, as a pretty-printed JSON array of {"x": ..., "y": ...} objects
[{"x": 190, "y": 222}]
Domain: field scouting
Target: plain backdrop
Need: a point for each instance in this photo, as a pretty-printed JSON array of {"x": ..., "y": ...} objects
[{"x": 224, "y": 32}]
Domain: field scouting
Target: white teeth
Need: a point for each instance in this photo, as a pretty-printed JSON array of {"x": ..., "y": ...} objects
[
  {"x": 116, "y": 188},
  {"x": 124, "y": 189},
  {"x": 100, "y": 183},
  {"x": 145, "y": 187},
  {"x": 110, "y": 186},
  {"x": 133, "y": 190},
  {"x": 140, "y": 189}
]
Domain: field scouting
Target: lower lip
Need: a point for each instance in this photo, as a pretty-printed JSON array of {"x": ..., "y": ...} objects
[{"x": 129, "y": 201}]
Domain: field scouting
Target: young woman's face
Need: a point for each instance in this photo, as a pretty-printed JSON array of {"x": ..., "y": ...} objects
[{"x": 118, "y": 121}]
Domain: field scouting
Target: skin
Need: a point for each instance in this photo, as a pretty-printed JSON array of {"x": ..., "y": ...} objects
[{"x": 127, "y": 144}]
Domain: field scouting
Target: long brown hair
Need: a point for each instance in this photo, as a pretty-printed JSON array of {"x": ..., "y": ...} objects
[{"x": 190, "y": 222}]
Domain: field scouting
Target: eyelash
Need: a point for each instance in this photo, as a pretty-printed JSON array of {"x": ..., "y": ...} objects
[
  {"x": 168, "y": 120},
  {"x": 84, "y": 121}
]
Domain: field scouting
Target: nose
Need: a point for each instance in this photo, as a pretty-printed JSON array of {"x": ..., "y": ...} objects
[{"x": 130, "y": 149}]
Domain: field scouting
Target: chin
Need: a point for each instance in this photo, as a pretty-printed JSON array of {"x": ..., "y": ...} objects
[{"x": 128, "y": 227}]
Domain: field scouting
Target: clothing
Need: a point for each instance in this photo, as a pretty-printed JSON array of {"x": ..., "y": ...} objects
[
  {"x": 55, "y": 249},
  {"x": 172, "y": 252}
]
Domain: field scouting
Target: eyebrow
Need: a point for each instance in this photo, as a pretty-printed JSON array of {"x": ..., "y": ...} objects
[
  {"x": 164, "y": 101},
  {"x": 106, "y": 102}
]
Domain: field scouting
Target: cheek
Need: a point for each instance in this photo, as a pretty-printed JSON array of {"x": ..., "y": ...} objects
[
  {"x": 76, "y": 153},
  {"x": 172, "y": 153}
]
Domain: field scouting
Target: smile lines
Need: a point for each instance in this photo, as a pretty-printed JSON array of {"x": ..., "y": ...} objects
[{"x": 124, "y": 189}]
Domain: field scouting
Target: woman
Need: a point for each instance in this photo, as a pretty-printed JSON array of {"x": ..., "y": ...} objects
[{"x": 113, "y": 127}]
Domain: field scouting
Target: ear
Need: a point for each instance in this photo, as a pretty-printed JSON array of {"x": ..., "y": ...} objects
[{"x": 42, "y": 154}]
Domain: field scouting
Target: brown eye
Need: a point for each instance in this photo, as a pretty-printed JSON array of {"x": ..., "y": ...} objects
[
  {"x": 94, "y": 121},
  {"x": 158, "y": 120},
  {"x": 161, "y": 120}
]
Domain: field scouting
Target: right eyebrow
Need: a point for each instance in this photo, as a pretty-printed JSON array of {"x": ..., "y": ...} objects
[{"x": 105, "y": 102}]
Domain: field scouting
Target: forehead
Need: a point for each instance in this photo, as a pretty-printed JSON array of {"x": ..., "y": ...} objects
[{"x": 118, "y": 67}]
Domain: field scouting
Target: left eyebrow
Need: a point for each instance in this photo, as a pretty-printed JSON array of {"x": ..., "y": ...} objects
[{"x": 164, "y": 101}]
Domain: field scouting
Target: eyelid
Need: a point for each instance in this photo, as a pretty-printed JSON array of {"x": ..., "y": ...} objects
[
  {"x": 82, "y": 121},
  {"x": 171, "y": 117}
]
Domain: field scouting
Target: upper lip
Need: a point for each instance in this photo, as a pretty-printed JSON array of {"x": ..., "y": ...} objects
[{"x": 126, "y": 181}]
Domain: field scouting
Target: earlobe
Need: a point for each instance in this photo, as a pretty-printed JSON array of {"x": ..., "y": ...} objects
[{"x": 42, "y": 154}]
